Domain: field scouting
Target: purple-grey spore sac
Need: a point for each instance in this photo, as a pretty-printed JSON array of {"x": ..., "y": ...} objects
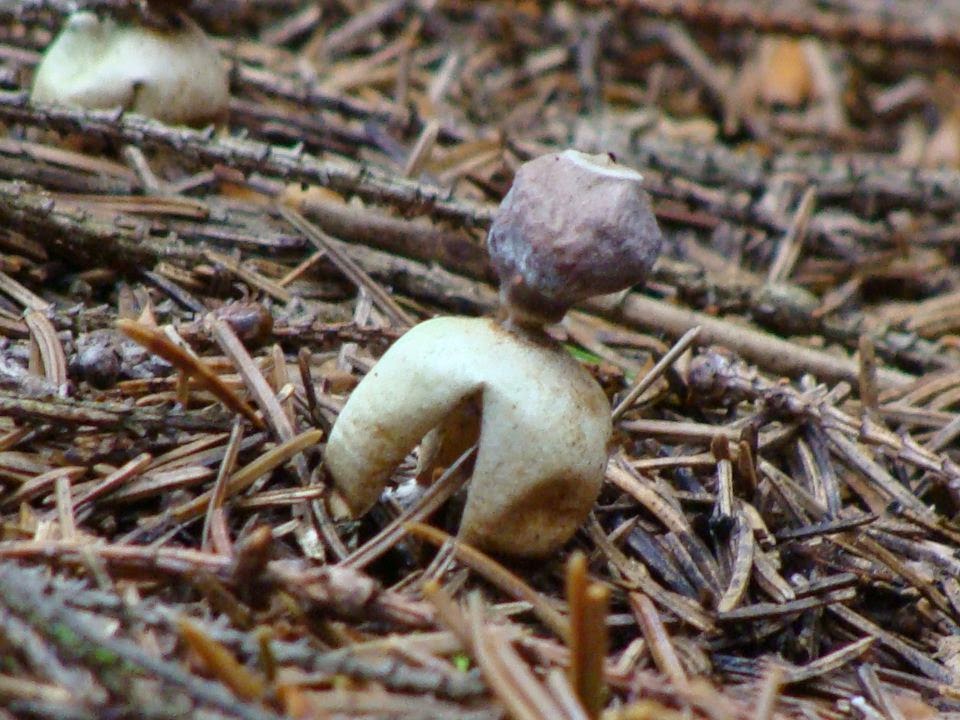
[{"x": 572, "y": 226}]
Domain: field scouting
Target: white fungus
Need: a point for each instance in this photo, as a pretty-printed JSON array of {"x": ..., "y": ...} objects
[
  {"x": 543, "y": 436},
  {"x": 171, "y": 74},
  {"x": 573, "y": 225}
]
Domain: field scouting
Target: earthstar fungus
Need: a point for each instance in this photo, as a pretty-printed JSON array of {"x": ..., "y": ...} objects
[
  {"x": 173, "y": 74},
  {"x": 572, "y": 225}
]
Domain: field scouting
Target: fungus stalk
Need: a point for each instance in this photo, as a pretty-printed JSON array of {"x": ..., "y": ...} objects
[{"x": 572, "y": 226}]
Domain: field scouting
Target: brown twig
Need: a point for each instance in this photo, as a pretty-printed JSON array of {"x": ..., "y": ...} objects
[
  {"x": 157, "y": 342},
  {"x": 588, "y": 602}
]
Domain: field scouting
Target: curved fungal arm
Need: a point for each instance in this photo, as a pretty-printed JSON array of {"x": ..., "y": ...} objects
[{"x": 407, "y": 393}]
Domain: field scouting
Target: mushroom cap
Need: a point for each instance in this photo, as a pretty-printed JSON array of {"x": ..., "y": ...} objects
[
  {"x": 173, "y": 75},
  {"x": 543, "y": 432},
  {"x": 572, "y": 225}
]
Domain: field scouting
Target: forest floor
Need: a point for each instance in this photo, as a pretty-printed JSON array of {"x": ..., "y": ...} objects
[{"x": 183, "y": 313}]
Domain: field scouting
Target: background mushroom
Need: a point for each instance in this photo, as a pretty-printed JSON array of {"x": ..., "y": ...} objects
[
  {"x": 571, "y": 226},
  {"x": 171, "y": 73}
]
